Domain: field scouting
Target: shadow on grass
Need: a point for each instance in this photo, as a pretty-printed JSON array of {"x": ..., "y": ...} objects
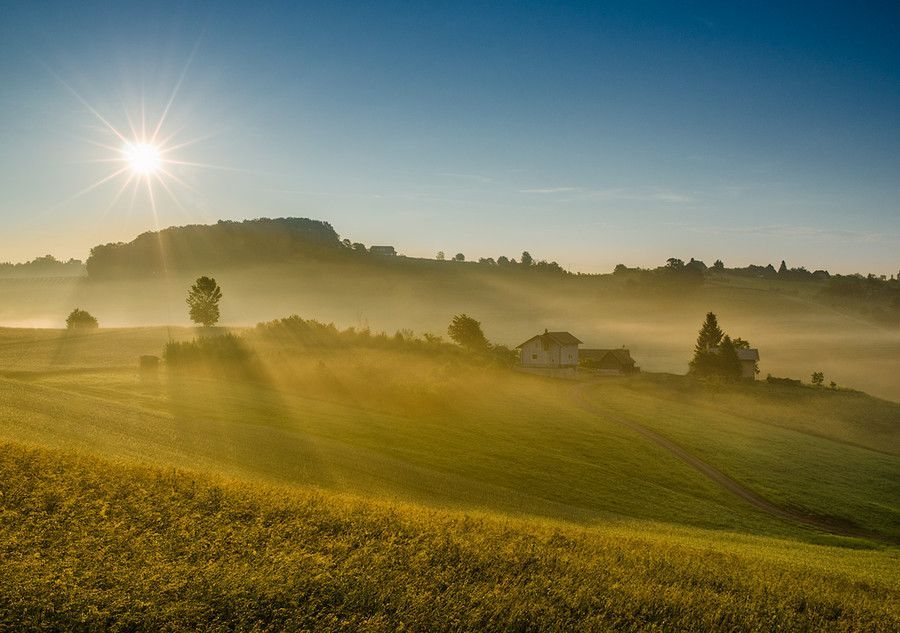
[{"x": 227, "y": 406}]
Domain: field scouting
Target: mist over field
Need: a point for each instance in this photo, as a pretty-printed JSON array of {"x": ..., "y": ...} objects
[{"x": 796, "y": 334}]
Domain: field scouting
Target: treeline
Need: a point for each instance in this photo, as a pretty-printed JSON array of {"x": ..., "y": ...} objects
[
  {"x": 698, "y": 269},
  {"x": 46, "y": 266},
  {"x": 221, "y": 245},
  {"x": 526, "y": 262},
  {"x": 875, "y": 298}
]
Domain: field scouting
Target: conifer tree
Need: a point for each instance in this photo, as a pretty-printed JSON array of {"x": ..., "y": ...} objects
[{"x": 705, "y": 361}]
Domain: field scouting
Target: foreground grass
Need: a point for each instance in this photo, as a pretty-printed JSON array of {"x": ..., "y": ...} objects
[{"x": 90, "y": 544}]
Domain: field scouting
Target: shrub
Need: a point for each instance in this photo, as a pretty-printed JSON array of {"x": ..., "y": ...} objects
[{"x": 80, "y": 319}]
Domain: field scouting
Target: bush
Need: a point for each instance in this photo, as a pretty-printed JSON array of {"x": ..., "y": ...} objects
[
  {"x": 773, "y": 380},
  {"x": 224, "y": 355},
  {"x": 80, "y": 319}
]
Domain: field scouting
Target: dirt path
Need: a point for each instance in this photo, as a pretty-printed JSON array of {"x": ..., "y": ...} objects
[{"x": 821, "y": 523}]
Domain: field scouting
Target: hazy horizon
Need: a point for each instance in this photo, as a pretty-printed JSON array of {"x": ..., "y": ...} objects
[
  {"x": 587, "y": 135},
  {"x": 515, "y": 254}
]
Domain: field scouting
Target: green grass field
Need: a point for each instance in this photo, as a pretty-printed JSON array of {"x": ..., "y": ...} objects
[{"x": 367, "y": 487}]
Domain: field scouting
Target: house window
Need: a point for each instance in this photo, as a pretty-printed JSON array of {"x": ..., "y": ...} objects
[{"x": 534, "y": 357}]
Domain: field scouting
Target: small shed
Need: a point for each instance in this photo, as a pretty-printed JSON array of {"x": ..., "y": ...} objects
[
  {"x": 383, "y": 250},
  {"x": 749, "y": 358}
]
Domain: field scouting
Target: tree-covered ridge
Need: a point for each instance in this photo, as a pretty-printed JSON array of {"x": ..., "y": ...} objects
[
  {"x": 226, "y": 243},
  {"x": 46, "y": 266}
]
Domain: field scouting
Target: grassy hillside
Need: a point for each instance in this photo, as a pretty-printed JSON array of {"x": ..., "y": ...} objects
[
  {"x": 229, "y": 495},
  {"x": 125, "y": 548},
  {"x": 436, "y": 428}
]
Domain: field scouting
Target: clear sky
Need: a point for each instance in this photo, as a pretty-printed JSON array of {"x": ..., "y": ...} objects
[{"x": 589, "y": 133}]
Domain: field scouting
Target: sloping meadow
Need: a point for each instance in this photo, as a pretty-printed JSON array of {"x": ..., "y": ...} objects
[{"x": 89, "y": 544}]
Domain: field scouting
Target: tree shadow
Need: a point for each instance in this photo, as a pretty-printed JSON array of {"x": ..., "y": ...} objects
[{"x": 228, "y": 409}]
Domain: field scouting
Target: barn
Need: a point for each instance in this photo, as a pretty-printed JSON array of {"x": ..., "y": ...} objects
[{"x": 608, "y": 361}]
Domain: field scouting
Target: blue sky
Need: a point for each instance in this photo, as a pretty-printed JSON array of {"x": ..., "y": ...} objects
[{"x": 588, "y": 133}]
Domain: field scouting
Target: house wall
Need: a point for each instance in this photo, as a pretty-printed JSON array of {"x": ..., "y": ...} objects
[
  {"x": 568, "y": 355},
  {"x": 748, "y": 369},
  {"x": 533, "y": 354}
]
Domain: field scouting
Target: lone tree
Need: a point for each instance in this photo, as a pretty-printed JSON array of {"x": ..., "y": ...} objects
[
  {"x": 466, "y": 331},
  {"x": 203, "y": 300},
  {"x": 818, "y": 378},
  {"x": 459, "y": 257},
  {"x": 80, "y": 319}
]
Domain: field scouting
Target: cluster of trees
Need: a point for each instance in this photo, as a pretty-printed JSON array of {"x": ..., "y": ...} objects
[
  {"x": 526, "y": 261},
  {"x": 675, "y": 273},
  {"x": 46, "y": 266},
  {"x": 715, "y": 353}
]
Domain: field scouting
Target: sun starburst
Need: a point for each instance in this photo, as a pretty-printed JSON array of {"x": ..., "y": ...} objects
[{"x": 142, "y": 156}]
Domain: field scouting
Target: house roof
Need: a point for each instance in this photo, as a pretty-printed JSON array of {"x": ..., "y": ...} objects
[
  {"x": 560, "y": 338},
  {"x": 621, "y": 354},
  {"x": 742, "y": 354}
]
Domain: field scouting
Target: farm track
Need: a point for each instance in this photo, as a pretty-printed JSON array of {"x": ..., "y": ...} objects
[{"x": 830, "y": 525}]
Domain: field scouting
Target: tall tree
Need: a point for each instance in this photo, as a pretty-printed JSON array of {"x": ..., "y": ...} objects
[
  {"x": 783, "y": 268},
  {"x": 203, "y": 300},
  {"x": 710, "y": 334},
  {"x": 466, "y": 331},
  {"x": 706, "y": 361},
  {"x": 527, "y": 259}
]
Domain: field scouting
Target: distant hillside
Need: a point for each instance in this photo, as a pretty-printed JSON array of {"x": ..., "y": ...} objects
[
  {"x": 231, "y": 245},
  {"x": 46, "y": 266},
  {"x": 224, "y": 244}
]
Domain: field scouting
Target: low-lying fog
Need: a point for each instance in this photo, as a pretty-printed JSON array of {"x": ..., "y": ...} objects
[{"x": 795, "y": 336}]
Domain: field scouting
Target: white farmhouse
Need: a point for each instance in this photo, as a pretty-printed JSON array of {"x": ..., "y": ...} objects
[{"x": 550, "y": 349}]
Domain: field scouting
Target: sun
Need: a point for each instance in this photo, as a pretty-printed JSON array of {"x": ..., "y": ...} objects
[
  {"x": 142, "y": 155},
  {"x": 142, "y": 158}
]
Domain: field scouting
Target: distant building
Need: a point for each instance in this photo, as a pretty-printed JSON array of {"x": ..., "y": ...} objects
[
  {"x": 382, "y": 250},
  {"x": 608, "y": 361},
  {"x": 748, "y": 358},
  {"x": 550, "y": 349}
]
